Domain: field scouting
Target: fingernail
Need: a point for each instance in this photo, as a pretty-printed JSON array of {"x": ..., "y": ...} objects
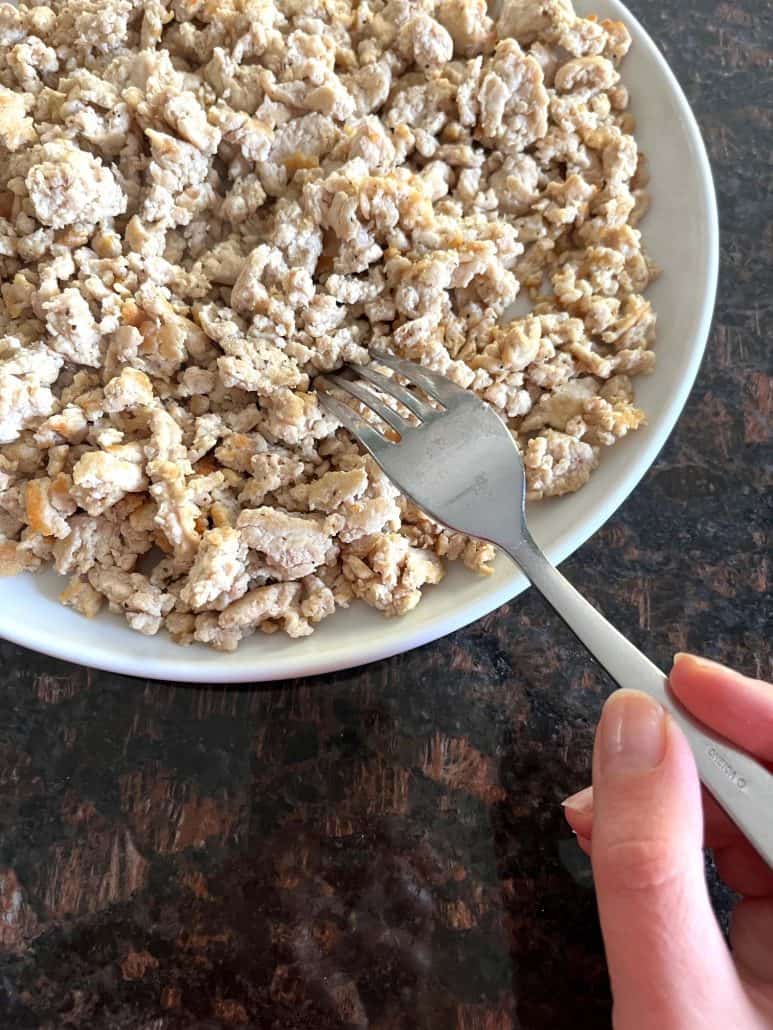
[
  {"x": 633, "y": 737},
  {"x": 682, "y": 656},
  {"x": 582, "y": 801}
]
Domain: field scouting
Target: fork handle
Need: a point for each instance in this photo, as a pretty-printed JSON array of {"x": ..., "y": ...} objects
[{"x": 740, "y": 785}]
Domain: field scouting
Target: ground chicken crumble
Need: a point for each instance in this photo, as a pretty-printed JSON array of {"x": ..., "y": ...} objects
[{"x": 206, "y": 203}]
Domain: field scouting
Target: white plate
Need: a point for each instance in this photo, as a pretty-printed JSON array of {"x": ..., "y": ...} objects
[{"x": 681, "y": 234}]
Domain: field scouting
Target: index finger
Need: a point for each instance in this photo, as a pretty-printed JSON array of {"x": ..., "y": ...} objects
[{"x": 734, "y": 705}]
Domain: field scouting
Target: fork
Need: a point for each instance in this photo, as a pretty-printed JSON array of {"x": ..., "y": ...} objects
[{"x": 457, "y": 461}]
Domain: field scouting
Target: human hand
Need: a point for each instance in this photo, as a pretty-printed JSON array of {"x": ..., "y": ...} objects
[{"x": 642, "y": 823}]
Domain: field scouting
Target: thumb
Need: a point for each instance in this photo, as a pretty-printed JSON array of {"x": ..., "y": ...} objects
[{"x": 668, "y": 963}]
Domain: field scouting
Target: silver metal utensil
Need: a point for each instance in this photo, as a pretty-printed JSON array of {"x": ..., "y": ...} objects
[{"x": 457, "y": 461}]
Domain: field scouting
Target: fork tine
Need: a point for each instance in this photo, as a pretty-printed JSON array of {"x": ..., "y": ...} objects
[
  {"x": 432, "y": 383},
  {"x": 371, "y": 399},
  {"x": 387, "y": 385},
  {"x": 360, "y": 430}
]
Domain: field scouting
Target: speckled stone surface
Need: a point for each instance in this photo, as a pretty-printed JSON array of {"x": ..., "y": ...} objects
[{"x": 384, "y": 848}]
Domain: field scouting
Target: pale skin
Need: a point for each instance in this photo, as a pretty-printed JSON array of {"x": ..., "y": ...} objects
[{"x": 643, "y": 823}]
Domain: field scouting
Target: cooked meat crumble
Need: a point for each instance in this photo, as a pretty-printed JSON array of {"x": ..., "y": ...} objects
[{"x": 206, "y": 203}]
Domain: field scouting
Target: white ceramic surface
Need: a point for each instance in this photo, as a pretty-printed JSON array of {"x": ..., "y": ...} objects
[{"x": 681, "y": 234}]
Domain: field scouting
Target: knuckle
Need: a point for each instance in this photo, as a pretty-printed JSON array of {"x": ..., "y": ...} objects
[{"x": 631, "y": 866}]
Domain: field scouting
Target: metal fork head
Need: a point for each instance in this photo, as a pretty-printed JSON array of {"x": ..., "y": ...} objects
[{"x": 454, "y": 457}]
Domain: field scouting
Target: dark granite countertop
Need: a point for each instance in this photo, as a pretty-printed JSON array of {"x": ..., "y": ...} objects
[{"x": 384, "y": 848}]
